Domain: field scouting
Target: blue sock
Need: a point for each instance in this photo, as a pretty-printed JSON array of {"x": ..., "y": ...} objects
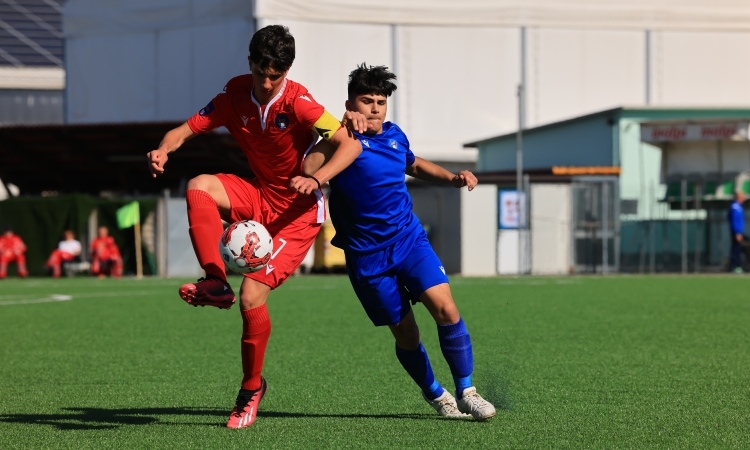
[
  {"x": 417, "y": 365},
  {"x": 455, "y": 343}
]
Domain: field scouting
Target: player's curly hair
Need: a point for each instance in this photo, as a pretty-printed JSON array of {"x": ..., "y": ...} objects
[
  {"x": 371, "y": 80},
  {"x": 272, "y": 47}
]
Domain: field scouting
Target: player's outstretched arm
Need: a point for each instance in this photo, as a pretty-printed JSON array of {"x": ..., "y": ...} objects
[
  {"x": 429, "y": 171},
  {"x": 326, "y": 160},
  {"x": 317, "y": 157},
  {"x": 171, "y": 142}
]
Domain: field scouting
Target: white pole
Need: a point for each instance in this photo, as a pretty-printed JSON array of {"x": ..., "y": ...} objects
[{"x": 519, "y": 148}]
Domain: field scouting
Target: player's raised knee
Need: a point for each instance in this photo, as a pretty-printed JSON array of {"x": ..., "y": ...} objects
[{"x": 203, "y": 182}]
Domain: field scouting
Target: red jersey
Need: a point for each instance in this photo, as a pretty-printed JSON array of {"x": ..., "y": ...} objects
[
  {"x": 104, "y": 248},
  {"x": 11, "y": 245},
  {"x": 274, "y": 139}
]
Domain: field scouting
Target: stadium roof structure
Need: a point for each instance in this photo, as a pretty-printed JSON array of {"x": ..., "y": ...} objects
[
  {"x": 31, "y": 33},
  {"x": 108, "y": 158}
]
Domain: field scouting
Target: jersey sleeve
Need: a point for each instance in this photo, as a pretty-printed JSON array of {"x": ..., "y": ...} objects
[
  {"x": 312, "y": 115},
  {"x": 738, "y": 220},
  {"x": 211, "y": 116},
  {"x": 410, "y": 158}
]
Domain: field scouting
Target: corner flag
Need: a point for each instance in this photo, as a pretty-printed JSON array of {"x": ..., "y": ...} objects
[{"x": 128, "y": 215}]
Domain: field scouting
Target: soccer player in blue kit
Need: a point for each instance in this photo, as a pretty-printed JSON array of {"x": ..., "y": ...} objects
[{"x": 388, "y": 257}]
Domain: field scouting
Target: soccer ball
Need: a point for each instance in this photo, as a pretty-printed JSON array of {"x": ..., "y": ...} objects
[{"x": 246, "y": 246}]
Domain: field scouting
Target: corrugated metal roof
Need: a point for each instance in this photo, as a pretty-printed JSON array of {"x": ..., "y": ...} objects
[{"x": 31, "y": 33}]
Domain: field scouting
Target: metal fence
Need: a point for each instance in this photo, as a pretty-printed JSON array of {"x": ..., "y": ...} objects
[{"x": 685, "y": 231}]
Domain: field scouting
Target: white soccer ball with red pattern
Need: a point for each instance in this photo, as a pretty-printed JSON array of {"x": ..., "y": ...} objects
[{"x": 246, "y": 246}]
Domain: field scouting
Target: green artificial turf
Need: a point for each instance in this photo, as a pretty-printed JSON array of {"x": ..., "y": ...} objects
[{"x": 600, "y": 362}]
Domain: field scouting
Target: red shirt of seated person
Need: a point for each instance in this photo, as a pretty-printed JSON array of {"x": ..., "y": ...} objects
[
  {"x": 12, "y": 250},
  {"x": 105, "y": 255}
]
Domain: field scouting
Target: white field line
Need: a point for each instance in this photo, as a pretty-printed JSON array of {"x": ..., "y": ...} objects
[{"x": 7, "y": 300}]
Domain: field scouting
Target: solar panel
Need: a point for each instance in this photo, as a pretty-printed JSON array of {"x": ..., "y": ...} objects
[{"x": 31, "y": 33}]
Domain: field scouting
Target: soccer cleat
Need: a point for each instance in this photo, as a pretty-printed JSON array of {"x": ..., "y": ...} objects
[
  {"x": 246, "y": 407},
  {"x": 445, "y": 405},
  {"x": 473, "y": 403},
  {"x": 208, "y": 292}
]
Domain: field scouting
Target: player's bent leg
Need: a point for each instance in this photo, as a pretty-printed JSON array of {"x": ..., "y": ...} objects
[
  {"x": 455, "y": 343},
  {"x": 439, "y": 302},
  {"x": 206, "y": 199},
  {"x": 413, "y": 358}
]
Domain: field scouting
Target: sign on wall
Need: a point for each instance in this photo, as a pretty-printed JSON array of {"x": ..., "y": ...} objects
[
  {"x": 694, "y": 132},
  {"x": 512, "y": 209}
]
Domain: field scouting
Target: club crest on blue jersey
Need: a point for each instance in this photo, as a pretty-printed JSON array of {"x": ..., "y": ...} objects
[
  {"x": 282, "y": 121},
  {"x": 393, "y": 143},
  {"x": 207, "y": 110}
]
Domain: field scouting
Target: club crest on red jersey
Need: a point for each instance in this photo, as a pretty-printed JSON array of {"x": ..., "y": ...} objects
[
  {"x": 207, "y": 110},
  {"x": 282, "y": 121}
]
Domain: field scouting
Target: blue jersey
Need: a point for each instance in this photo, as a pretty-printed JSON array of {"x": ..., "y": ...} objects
[
  {"x": 369, "y": 205},
  {"x": 736, "y": 218}
]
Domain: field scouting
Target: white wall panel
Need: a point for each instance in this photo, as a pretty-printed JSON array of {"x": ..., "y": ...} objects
[
  {"x": 219, "y": 53},
  {"x": 112, "y": 79},
  {"x": 175, "y": 95},
  {"x": 479, "y": 231},
  {"x": 459, "y": 84},
  {"x": 327, "y": 53},
  {"x": 550, "y": 229},
  {"x": 574, "y": 72},
  {"x": 701, "y": 69}
]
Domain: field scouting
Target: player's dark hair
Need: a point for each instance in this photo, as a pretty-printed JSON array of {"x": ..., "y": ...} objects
[
  {"x": 272, "y": 47},
  {"x": 371, "y": 80}
]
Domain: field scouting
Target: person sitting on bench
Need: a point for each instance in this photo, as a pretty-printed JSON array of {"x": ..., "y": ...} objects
[{"x": 67, "y": 250}]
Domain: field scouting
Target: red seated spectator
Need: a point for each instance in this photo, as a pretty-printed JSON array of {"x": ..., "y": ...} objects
[
  {"x": 105, "y": 255},
  {"x": 12, "y": 250}
]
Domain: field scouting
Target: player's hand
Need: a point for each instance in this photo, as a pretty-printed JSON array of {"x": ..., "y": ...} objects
[
  {"x": 465, "y": 178},
  {"x": 356, "y": 121},
  {"x": 156, "y": 160},
  {"x": 303, "y": 185}
]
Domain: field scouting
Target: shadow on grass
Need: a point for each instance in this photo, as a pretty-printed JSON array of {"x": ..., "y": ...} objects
[{"x": 105, "y": 419}]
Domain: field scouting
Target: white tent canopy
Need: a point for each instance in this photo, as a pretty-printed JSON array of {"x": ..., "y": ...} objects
[
  {"x": 87, "y": 17},
  {"x": 601, "y": 14}
]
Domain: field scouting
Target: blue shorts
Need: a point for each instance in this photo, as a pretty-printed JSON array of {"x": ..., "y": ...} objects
[{"x": 385, "y": 281}]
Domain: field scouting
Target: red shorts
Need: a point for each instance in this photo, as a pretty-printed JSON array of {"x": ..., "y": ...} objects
[{"x": 293, "y": 231}]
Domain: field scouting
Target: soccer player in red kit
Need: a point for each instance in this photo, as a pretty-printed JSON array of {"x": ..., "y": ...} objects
[
  {"x": 12, "y": 249},
  {"x": 105, "y": 255},
  {"x": 275, "y": 121}
]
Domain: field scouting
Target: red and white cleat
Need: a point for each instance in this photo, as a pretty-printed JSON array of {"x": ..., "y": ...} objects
[
  {"x": 246, "y": 407},
  {"x": 208, "y": 292}
]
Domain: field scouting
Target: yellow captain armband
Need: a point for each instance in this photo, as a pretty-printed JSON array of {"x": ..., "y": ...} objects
[{"x": 327, "y": 125}]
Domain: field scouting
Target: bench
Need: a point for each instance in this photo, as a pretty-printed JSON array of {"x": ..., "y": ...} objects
[{"x": 71, "y": 268}]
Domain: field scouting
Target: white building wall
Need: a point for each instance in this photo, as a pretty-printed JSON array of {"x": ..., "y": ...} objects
[
  {"x": 550, "y": 229},
  {"x": 479, "y": 231},
  {"x": 458, "y": 69}
]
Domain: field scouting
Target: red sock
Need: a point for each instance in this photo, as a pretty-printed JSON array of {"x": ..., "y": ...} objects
[
  {"x": 256, "y": 329},
  {"x": 205, "y": 231}
]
